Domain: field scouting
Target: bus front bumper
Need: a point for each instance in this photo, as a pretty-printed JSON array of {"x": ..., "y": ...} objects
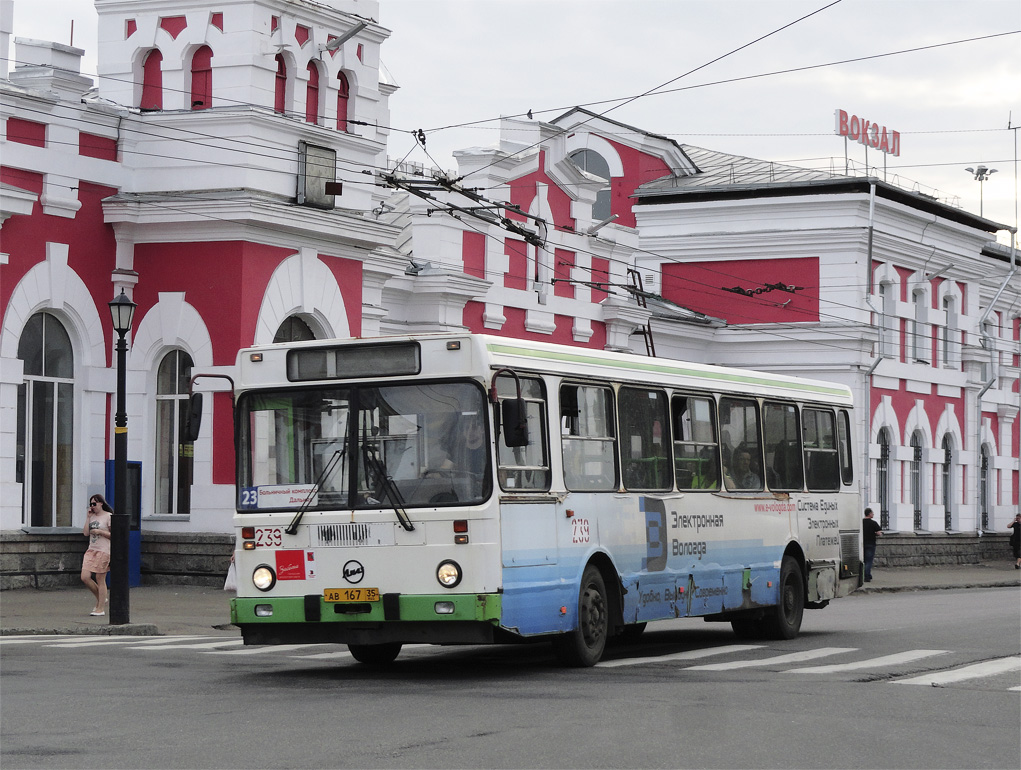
[{"x": 434, "y": 619}]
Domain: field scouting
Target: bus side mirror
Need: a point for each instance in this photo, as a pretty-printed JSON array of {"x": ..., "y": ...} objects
[
  {"x": 515, "y": 422},
  {"x": 191, "y": 430}
]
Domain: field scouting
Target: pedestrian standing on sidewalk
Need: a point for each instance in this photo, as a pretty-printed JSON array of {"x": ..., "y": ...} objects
[
  {"x": 96, "y": 562},
  {"x": 1015, "y": 540},
  {"x": 870, "y": 529}
]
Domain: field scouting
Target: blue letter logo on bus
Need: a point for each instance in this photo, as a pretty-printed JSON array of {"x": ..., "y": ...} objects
[{"x": 655, "y": 534}]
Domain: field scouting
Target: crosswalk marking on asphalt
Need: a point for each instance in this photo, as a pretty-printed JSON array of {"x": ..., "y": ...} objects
[
  {"x": 886, "y": 660},
  {"x": 794, "y": 657},
  {"x": 91, "y": 641},
  {"x": 341, "y": 655},
  {"x": 689, "y": 655},
  {"x": 974, "y": 671},
  {"x": 259, "y": 650},
  {"x": 191, "y": 646},
  {"x": 226, "y": 645}
]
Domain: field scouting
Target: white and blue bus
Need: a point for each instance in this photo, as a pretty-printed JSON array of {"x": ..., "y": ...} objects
[{"x": 469, "y": 489}]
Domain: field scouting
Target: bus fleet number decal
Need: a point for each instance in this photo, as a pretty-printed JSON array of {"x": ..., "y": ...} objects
[
  {"x": 580, "y": 531},
  {"x": 268, "y": 537}
]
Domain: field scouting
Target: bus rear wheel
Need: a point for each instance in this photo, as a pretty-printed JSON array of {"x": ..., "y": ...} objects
[
  {"x": 584, "y": 646},
  {"x": 784, "y": 620},
  {"x": 375, "y": 654}
]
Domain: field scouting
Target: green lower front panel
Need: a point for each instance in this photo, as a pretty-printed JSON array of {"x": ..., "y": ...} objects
[{"x": 396, "y": 618}]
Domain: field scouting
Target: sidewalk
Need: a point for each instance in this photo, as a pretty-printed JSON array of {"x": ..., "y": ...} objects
[{"x": 176, "y": 610}]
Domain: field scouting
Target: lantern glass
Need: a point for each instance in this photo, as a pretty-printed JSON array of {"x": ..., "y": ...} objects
[{"x": 121, "y": 311}]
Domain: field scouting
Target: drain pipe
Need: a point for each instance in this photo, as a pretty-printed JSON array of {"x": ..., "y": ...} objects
[{"x": 867, "y": 380}]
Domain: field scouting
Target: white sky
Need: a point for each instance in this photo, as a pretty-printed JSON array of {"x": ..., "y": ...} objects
[{"x": 460, "y": 61}]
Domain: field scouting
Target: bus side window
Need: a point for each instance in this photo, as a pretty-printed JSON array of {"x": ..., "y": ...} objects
[
  {"x": 783, "y": 447},
  {"x": 644, "y": 439},
  {"x": 822, "y": 466},
  {"x": 740, "y": 444},
  {"x": 588, "y": 438},
  {"x": 696, "y": 444},
  {"x": 844, "y": 447},
  {"x": 525, "y": 467}
]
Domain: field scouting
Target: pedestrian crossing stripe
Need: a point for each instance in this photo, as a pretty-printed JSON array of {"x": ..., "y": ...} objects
[
  {"x": 974, "y": 671},
  {"x": 230, "y": 645}
]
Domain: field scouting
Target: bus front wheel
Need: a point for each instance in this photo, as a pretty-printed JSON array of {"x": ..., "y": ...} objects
[
  {"x": 375, "y": 654},
  {"x": 584, "y": 646}
]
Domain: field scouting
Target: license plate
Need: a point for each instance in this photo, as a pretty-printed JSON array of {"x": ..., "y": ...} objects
[{"x": 351, "y": 595}]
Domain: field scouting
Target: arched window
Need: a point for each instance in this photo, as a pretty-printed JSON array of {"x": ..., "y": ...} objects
[
  {"x": 594, "y": 163},
  {"x": 174, "y": 457},
  {"x": 280, "y": 89},
  {"x": 883, "y": 478},
  {"x": 915, "y": 477},
  {"x": 312, "y": 95},
  {"x": 983, "y": 487},
  {"x": 293, "y": 329},
  {"x": 343, "y": 101},
  {"x": 202, "y": 79},
  {"x": 152, "y": 81},
  {"x": 948, "y": 477},
  {"x": 44, "y": 443}
]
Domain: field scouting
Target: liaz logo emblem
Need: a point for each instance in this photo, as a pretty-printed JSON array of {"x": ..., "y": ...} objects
[{"x": 354, "y": 572}]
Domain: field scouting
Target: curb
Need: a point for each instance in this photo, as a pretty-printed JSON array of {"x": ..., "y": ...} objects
[
  {"x": 128, "y": 629},
  {"x": 902, "y": 589}
]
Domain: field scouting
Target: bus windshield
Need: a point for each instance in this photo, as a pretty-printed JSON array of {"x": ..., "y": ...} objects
[{"x": 363, "y": 447}]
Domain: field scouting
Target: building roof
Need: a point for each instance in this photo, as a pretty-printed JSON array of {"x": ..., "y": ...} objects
[{"x": 723, "y": 176}]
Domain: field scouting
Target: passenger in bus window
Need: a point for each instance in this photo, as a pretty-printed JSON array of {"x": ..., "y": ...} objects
[
  {"x": 465, "y": 450},
  {"x": 741, "y": 474},
  {"x": 708, "y": 476}
]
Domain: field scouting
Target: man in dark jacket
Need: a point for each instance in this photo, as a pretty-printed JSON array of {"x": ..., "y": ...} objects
[{"x": 870, "y": 529}]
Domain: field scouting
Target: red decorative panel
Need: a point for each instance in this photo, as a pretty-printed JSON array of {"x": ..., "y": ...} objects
[
  {"x": 173, "y": 25},
  {"x": 747, "y": 291},
  {"x": 302, "y": 34},
  {"x": 563, "y": 264},
  {"x": 473, "y": 253},
  {"x": 93, "y": 146},
  {"x": 217, "y": 21},
  {"x": 26, "y": 132},
  {"x": 516, "y": 276},
  {"x": 130, "y": 28}
]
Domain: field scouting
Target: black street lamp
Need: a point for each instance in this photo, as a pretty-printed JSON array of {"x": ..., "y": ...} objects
[{"x": 121, "y": 310}]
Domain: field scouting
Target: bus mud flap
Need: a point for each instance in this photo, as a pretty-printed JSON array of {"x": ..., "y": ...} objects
[
  {"x": 313, "y": 608},
  {"x": 391, "y": 606}
]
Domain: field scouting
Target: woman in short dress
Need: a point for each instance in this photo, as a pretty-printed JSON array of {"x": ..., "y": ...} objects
[{"x": 96, "y": 562}]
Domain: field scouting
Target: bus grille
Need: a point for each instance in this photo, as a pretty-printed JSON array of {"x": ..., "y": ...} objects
[
  {"x": 349, "y": 535},
  {"x": 849, "y": 563}
]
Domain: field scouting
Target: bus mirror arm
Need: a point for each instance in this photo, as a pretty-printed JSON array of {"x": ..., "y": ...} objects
[
  {"x": 191, "y": 429},
  {"x": 512, "y": 415}
]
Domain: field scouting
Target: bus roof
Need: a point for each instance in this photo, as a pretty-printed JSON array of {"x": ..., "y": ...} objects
[{"x": 492, "y": 352}]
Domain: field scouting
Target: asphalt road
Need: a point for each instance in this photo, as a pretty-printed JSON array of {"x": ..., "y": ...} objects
[{"x": 909, "y": 680}]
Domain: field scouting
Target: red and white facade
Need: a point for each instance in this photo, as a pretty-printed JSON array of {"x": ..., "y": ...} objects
[{"x": 193, "y": 177}]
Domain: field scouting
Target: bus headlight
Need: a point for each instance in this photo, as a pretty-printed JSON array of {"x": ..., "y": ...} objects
[
  {"x": 264, "y": 578},
  {"x": 448, "y": 573}
]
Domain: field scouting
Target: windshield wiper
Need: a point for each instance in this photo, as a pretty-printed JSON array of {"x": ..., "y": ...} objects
[
  {"x": 335, "y": 458},
  {"x": 388, "y": 486}
]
